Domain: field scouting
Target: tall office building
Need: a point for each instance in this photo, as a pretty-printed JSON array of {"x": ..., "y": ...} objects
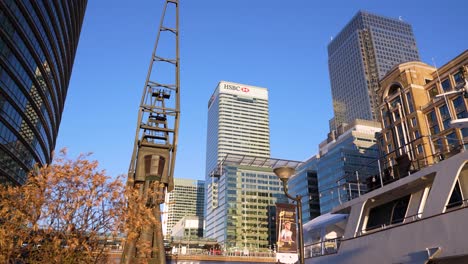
[
  {"x": 187, "y": 199},
  {"x": 38, "y": 41},
  {"x": 241, "y": 188},
  {"x": 358, "y": 57},
  {"x": 238, "y": 123}
]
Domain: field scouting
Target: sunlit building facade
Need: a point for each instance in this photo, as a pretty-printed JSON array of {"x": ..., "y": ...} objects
[
  {"x": 188, "y": 227},
  {"x": 238, "y": 124},
  {"x": 38, "y": 42},
  {"x": 419, "y": 123},
  {"x": 241, "y": 206},
  {"x": 186, "y": 200}
]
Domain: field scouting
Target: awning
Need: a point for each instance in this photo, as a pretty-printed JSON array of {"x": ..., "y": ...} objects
[{"x": 323, "y": 221}]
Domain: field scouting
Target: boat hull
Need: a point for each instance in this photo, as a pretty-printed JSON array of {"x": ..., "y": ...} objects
[{"x": 442, "y": 236}]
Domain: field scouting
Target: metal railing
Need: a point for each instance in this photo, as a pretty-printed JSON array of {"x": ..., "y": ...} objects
[
  {"x": 386, "y": 169},
  {"x": 235, "y": 253},
  {"x": 322, "y": 248}
]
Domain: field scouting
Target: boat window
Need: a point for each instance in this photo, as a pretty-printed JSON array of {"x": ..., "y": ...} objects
[
  {"x": 460, "y": 191},
  {"x": 387, "y": 214},
  {"x": 399, "y": 210},
  {"x": 456, "y": 198}
]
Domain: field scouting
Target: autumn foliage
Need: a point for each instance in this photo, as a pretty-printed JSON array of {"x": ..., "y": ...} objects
[{"x": 62, "y": 214}]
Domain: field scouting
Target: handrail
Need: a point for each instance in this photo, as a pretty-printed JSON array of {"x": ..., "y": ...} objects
[
  {"x": 379, "y": 172},
  {"x": 322, "y": 248}
]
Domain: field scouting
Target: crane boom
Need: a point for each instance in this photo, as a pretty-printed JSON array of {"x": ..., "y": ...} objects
[{"x": 153, "y": 159}]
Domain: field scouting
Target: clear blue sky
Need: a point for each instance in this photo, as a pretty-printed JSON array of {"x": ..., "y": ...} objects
[{"x": 278, "y": 44}]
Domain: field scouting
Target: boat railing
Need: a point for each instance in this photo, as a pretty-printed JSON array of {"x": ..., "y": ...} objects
[
  {"x": 399, "y": 163},
  {"x": 322, "y": 248}
]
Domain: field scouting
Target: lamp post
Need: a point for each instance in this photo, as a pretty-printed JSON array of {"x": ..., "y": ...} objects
[{"x": 284, "y": 173}]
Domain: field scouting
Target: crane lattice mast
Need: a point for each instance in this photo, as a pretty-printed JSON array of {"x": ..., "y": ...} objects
[{"x": 153, "y": 159}]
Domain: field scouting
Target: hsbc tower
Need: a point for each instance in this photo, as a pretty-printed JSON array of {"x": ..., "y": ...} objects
[{"x": 238, "y": 124}]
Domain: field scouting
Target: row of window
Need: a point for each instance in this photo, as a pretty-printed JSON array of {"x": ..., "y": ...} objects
[
  {"x": 452, "y": 81},
  {"x": 35, "y": 36}
]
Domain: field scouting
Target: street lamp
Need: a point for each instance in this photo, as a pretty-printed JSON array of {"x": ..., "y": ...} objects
[{"x": 284, "y": 173}]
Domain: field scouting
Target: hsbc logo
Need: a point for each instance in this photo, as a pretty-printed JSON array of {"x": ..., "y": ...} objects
[{"x": 236, "y": 88}]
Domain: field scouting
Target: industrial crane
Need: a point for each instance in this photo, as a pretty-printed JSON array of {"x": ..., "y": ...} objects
[{"x": 153, "y": 159}]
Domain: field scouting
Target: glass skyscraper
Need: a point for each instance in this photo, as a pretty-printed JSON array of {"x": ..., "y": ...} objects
[
  {"x": 38, "y": 41},
  {"x": 359, "y": 56},
  {"x": 187, "y": 199},
  {"x": 355, "y": 150}
]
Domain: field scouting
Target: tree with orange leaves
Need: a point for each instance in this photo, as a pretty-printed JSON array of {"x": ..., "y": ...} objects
[{"x": 62, "y": 214}]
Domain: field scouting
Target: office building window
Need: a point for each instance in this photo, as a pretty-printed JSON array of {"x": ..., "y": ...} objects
[
  {"x": 446, "y": 86},
  {"x": 396, "y": 115},
  {"x": 385, "y": 117},
  {"x": 458, "y": 78},
  {"x": 409, "y": 100},
  {"x": 420, "y": 149},
  {"x": 452, "y": 140},
  {"x": 438, "y": 145},
  {"x": 433, "y": 123},
  {"x": 464, "y": 132},
  {"x": 445, "y": 115},
  {"x": 414, "y": 123},
  {"x": 432, "y": 92},
  {"x": 460, "y": 108}
]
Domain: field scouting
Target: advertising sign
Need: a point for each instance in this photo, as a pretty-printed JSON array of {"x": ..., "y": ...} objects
[
  {"x": 287, "y": 228},
  {"x": 240, "y": 90}
]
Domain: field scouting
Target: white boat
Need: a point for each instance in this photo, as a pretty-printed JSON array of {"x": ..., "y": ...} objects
[{"x": 421, "y": 218}]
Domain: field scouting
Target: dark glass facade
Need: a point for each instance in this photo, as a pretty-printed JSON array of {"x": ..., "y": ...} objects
[
  {"x": 361, "y": 54},
  {"x": 305, "y": 183},
  {"x": 350, "y": 157},
  {"x": 38, "y": 41}
]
